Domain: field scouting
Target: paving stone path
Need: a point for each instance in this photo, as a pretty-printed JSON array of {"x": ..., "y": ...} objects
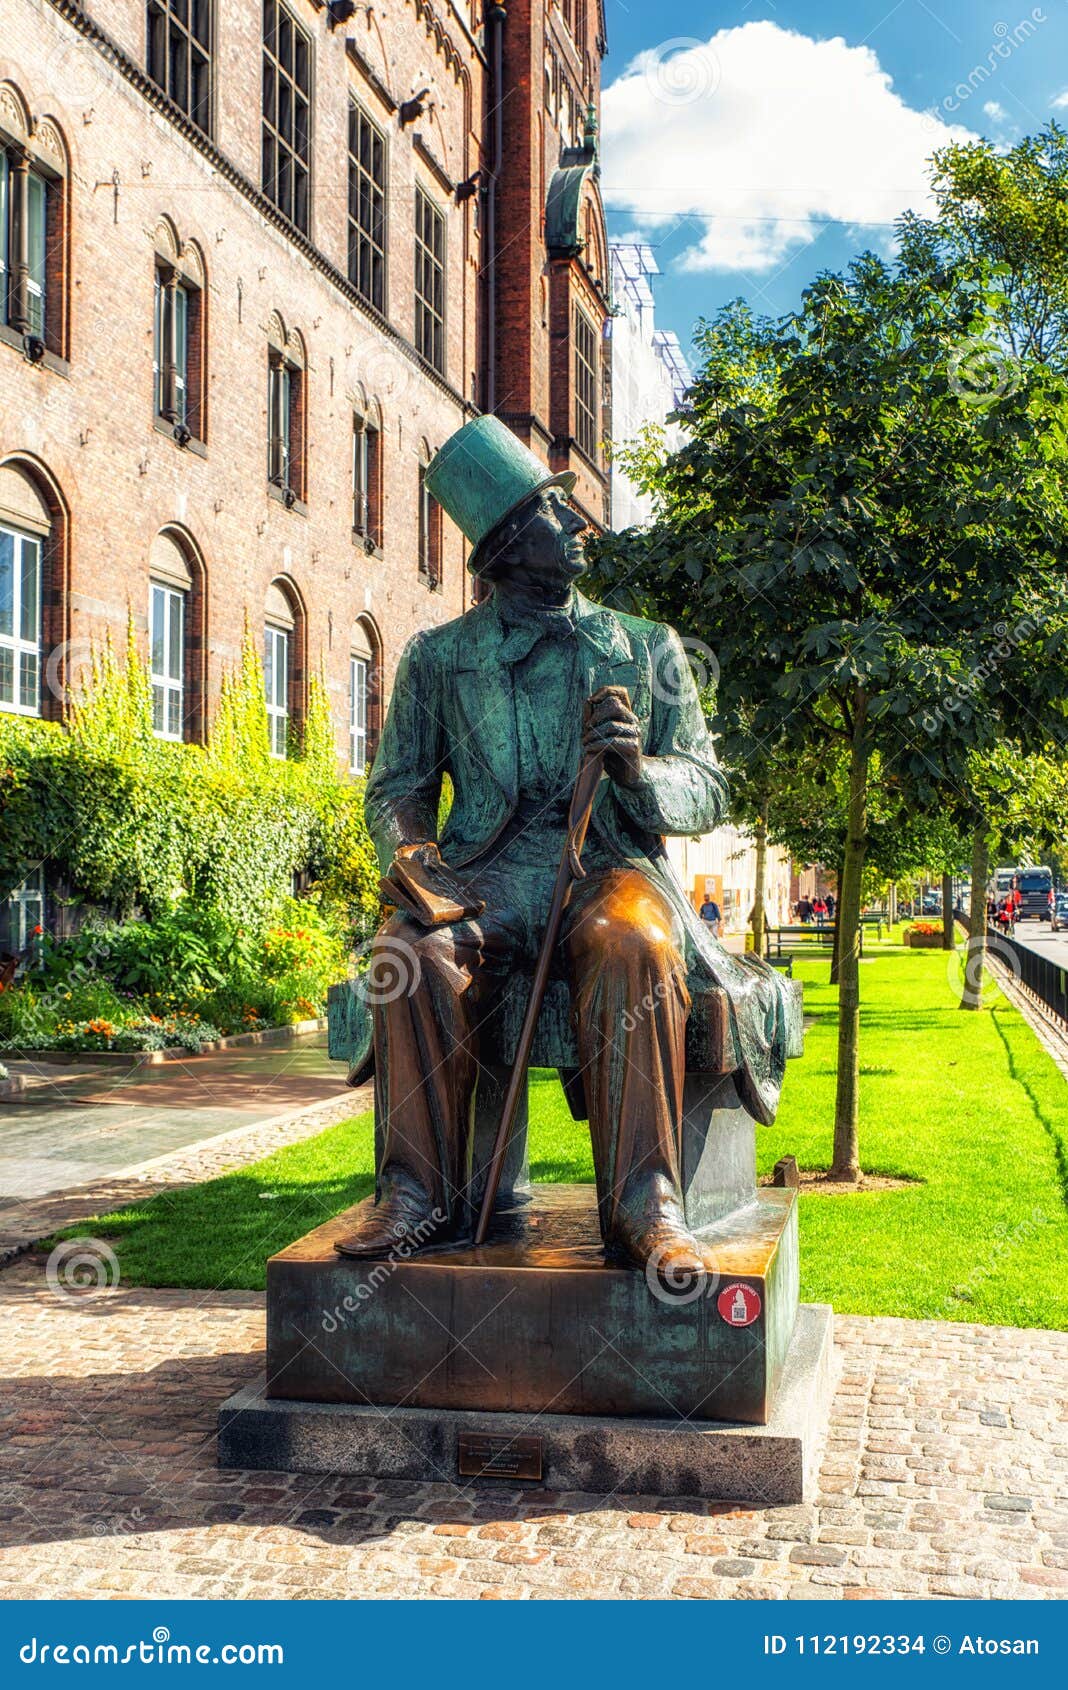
[
  {"x": 23, "y": 1224},
  {"x": 945, "y": 1475}
]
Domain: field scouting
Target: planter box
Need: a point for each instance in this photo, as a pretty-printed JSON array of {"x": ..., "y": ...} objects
[{"x": 923, "y": 941}]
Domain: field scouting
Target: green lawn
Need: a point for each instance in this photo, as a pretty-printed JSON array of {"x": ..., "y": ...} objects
[{"x": 970, "y": 1105}]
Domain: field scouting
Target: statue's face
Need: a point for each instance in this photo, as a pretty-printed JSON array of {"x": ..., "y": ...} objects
[{"x": 543, "y": 547}]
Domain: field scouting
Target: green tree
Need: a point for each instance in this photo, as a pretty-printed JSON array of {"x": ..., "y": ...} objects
[{"x": 839, "y": 522}]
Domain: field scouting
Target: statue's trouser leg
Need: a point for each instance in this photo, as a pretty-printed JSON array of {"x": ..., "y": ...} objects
[
  {"x": 628, "y": 980},
  {"x": 433, "y": 989}
]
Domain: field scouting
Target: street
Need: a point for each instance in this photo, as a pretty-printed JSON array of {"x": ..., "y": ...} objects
[{"x": 1038, "y": 937}]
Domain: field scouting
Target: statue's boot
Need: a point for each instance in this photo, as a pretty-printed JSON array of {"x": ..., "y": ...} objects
[
  {"x": 649, "y": 1231},
  {"x": 402, "y": 1221}
]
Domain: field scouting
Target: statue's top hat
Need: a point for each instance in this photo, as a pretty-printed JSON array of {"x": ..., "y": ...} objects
[{"x": 482, "y": 474}]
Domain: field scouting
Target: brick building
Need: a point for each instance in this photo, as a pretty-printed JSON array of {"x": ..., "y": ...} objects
[
  {"x": 548, "y": 374},
  {"x": 258, "y": 261}
]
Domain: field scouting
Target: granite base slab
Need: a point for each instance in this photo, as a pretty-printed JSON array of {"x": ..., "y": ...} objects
[{"x": 637, "y": 1456}]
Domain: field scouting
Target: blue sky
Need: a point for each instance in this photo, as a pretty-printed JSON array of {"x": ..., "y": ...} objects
[{"x": 752, "y": 148}]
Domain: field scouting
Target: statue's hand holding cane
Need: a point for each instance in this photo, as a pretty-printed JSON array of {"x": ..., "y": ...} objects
[{"x": 612, "y": 730}]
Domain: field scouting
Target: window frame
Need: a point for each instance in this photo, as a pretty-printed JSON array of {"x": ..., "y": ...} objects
[
  {"x": 19, "y": 902},
  {"x": 431, "y": 345},
  {"x": 359, "y": 707},
  {"x": 586, "y": 386},
  {"x": 26, "y": 196},
  {"x": 165, "y": 683},
  {"x": 160, "y": 19},
  {"x": 21, "y": 647},
  {"x": 366, "y": 479},
  {"x": 279, "y": 714},
  {"x": 286, "y": 435},
  {"x": 281, "y": 134},
  {"x": 360, "y": 236},
  {"x": 174, "y": 375},
  {"x": 431, "y": 567}
]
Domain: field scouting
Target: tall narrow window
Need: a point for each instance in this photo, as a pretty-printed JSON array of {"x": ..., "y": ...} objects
[
  {"x": 366, "y": 479},
  {"x": 286, "y": 128},
  {"x": 358, "y": 715},
  {"x": 430, "y": 566},
  {"x": 280, "y": 416},
  {"x": 170, "y": 347},
  {"x": 25, "y": 197},
  {"x": 285, "y": 425},
  {"x": 20, "y": 622},
  {"x": 276, "y": 677},
  {"x": 367, "y": 208},
  {"x": 167, "y": 633},
  {"x": 179, "y": 55},
  {"x": 585, "y": 385},
  {"x": 429, "y": 280}
]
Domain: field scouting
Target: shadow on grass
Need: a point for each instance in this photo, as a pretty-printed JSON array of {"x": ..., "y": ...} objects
[{"x": 1060, "y": 1151}]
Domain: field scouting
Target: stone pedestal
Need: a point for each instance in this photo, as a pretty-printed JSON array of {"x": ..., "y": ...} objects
[
  {"x": 652, "y": 1456},
  {"x": 537, "y": 1321}
]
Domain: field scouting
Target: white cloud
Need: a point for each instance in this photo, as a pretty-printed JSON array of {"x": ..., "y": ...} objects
[
  {"x": 1060, "y": 100},
  {"x": 759, "y": 135},
  {"x": 995, "y": 111}
]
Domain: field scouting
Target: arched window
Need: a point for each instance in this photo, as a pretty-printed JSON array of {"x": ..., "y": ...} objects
[
  {"x": 367, "y": 474},
  {"x": 25, "y": 530},
  {"x": 179, "y": 374},
  {"x": 283, "y": 665},
  {"x": 430, "y": 536},
  {"x": 176, "y": 637},
  {"x": 34, "y": 175},
  {"x": 286, "y": 412}
]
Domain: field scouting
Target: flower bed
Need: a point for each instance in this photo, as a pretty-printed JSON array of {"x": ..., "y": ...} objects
[
  {"x": 180, "y": 982},
  {"x": 924, "y": 936}
]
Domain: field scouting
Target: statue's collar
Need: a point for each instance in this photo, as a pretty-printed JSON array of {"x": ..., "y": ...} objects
[{"x": 491, "y": 641}]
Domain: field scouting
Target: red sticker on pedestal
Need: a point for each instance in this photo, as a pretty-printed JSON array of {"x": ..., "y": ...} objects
[{"x": 739, "y": 1305}]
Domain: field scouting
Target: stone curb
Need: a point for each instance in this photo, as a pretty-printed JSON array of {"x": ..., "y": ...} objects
[{"x": 16, "y": 1084}]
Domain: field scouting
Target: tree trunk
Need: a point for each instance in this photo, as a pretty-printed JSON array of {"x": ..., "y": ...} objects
[
  {"x": 837, "y": 929},
  {"x": 846, "y": 1163},
  {"x": 975, "y": 961},
  {"x": 891, "y": 903},
  {"x": 760, "y": 877},
  {"x": 949, "y": 936}
]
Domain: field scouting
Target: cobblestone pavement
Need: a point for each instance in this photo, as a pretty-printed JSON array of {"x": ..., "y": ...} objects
[
  {"x": 944, "y": 1476},
  {"x": 22, "y": 1224}
]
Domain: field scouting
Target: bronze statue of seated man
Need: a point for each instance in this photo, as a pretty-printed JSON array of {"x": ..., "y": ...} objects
[{"x": 507, "y": 699}]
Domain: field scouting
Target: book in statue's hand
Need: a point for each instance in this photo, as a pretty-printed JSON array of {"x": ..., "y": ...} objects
[{"x": 428, "y": 889}]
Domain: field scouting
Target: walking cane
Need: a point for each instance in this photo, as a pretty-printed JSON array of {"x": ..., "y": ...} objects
[{"x": 570, "y": 869}]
